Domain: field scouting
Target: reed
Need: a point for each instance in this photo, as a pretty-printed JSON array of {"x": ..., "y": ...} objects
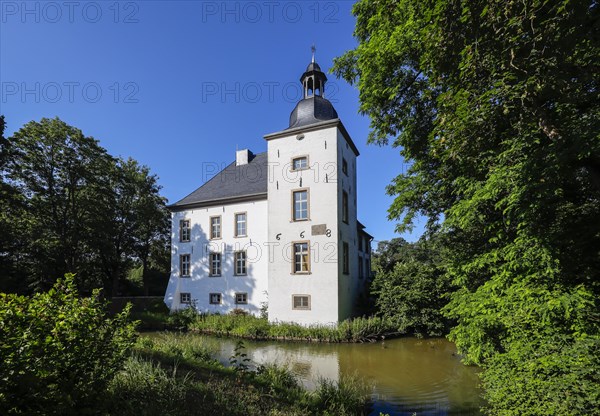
[{"x": 355, "y": 330}]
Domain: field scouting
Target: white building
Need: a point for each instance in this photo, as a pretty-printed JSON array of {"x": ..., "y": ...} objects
[{"x": 278, "y": 228}]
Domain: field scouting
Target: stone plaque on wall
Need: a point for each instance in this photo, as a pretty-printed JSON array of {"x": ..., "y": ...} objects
[{"x": 319, "y": 229}]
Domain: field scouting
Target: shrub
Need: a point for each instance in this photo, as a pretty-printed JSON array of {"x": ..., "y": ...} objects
[
  {"x": 59, "y": 351},
  {"x": 238, "y": 312}
]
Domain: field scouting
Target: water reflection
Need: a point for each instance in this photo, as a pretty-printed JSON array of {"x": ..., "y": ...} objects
[{"x": 408, "y": 375}]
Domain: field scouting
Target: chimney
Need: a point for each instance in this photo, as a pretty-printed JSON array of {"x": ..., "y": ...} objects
[{"x": 242, "y": 157}]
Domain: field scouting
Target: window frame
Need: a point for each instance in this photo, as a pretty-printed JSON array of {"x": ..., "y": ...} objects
[
  {"x": 345, "y": 212},
  {"x": 188, "y": 228},
  {"x": 344, "y": 166},
  {"x": 345, "y": 258},
  {"x": 243, "y": 302},
  {"x": 235, "y": 224},
  {"x": 210, "y": 299},
  {"x": 212, "y": 234},
  {"x": 189, "y": 265},
  {"x": 294, "y": 243},
  {"x": 361, "y": 273},
  {"x": 301, "y": 308},
  {"x": 294, "y": 192},
  {"x": 293, "y": 168},
  {"x": 181, "y": 296},
  {"x": 210, "y": 264},
  {"x": 235, "y": 263}
]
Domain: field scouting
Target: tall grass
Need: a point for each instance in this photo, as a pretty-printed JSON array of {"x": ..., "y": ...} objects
[
  {"x": 174, "y": 374},
  {"x": 356, "y": 330}
]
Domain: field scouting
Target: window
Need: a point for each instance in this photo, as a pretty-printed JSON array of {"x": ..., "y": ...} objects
[
  {"x": 215, "y": 227},
  {"x": 301, "y": 258},
  {"x": 301, "y": 302},
  {"x": 240, "y": 225},
  {"x": 344, "y": 167},
  {"x": 185, "y": 298},
  {"x": 300, "y": 205},
  {"x": 241, "y": 298},
  {"x": 300, "y": 163},
  {"x": 184, "y": 230},
  {"x": 345, "y": 207},
  {"x": 360, "y": 243},
  {"x": 184, "y": 265},
  {"x": 360, "y": 268},
  {"x": 215, "y": 298},
  {"x": 346, "y": 258},
  {"x": 240, "y": 262},
  {"x": 215, "y": 264}
]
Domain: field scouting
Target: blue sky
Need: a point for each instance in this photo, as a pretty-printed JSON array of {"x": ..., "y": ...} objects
[{"x": 179, "y": 85}]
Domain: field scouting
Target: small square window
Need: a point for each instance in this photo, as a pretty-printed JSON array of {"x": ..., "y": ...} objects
[
  {"x": 301, "y": 302},
  {"x": 215, "y": 264},
  {"x": 185, "y": 298},
  {"x": 300, "y": 163},
  {"x": 184, "y": 230},
  {"x": 241, "y": 298},
  {"x": 184, "y": 265},
  {"x": 215, "y": 227},
  {"x": 344, "y": 167},
  {"x": 215, "y": 298}
]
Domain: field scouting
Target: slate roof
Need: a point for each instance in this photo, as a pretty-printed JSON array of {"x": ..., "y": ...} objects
[
  {"x": 244, "y": 181},
  {"x": 312, "y": 110}
]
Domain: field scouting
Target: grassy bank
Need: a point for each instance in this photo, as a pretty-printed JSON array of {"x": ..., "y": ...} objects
[
  {"x": 251, "y": 327},
  {"x": 175, "y": 374}
]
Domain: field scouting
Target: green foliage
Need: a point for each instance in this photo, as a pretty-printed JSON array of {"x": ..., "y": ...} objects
[
  {"x": 355, "y": 330},
  {"x": 495, "y": 104},
  {"x": 411, "y": 286},
  {"x": 239, "y": 360},
  {"x": 144, "y": 388},
  {"x": 70, "y": 207},
  {"x": 59, "y": 351},
  {"x": 345, "y": 397},
  {"x": 172, "y": 374}
]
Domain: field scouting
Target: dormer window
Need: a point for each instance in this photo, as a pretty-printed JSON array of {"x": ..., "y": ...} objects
[{"x": 300, "y": 163}]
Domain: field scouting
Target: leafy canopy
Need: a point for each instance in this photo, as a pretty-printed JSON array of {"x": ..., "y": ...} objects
[{"x": 496, "y": 105}]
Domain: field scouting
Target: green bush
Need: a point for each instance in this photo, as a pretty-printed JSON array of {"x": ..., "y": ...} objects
[
  {"x": 59, "y": 351},
  {"x": 558, "y": 375}
]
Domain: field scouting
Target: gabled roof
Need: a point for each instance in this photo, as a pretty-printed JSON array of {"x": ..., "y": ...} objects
[{"x": 232, "y": 184}]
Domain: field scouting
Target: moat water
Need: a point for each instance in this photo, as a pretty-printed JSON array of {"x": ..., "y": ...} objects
[{"x": 407, "y": 375}]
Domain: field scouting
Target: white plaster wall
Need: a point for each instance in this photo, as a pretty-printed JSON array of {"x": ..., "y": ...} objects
[
  {"x": 322, "y": 283},
  {"x": 348, "y": 283},
  {"x": 200, "y": 284}
]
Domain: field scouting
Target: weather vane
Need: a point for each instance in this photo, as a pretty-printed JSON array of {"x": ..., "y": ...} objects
[{"x": 313, "y": 48}]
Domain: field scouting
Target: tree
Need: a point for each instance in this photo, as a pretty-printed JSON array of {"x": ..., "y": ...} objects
[
  {"x": 410, "y": 285},
  {"x": 51, "y": 165},
  {"x": 496, "y": 104},
  {"x": 130, "y": 217},
  {"x": 74, "y": 209}
]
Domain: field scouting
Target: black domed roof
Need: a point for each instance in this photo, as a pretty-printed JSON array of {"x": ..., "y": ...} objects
[
  {"x": 313, "y": 66},
  {"x": 312, "y": 110}
]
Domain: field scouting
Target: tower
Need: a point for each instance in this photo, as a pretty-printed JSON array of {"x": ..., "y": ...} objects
[{"x": 312, "y": 225}]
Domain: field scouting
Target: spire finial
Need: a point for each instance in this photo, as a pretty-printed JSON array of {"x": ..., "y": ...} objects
[{"x": 313, "y": 48}]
